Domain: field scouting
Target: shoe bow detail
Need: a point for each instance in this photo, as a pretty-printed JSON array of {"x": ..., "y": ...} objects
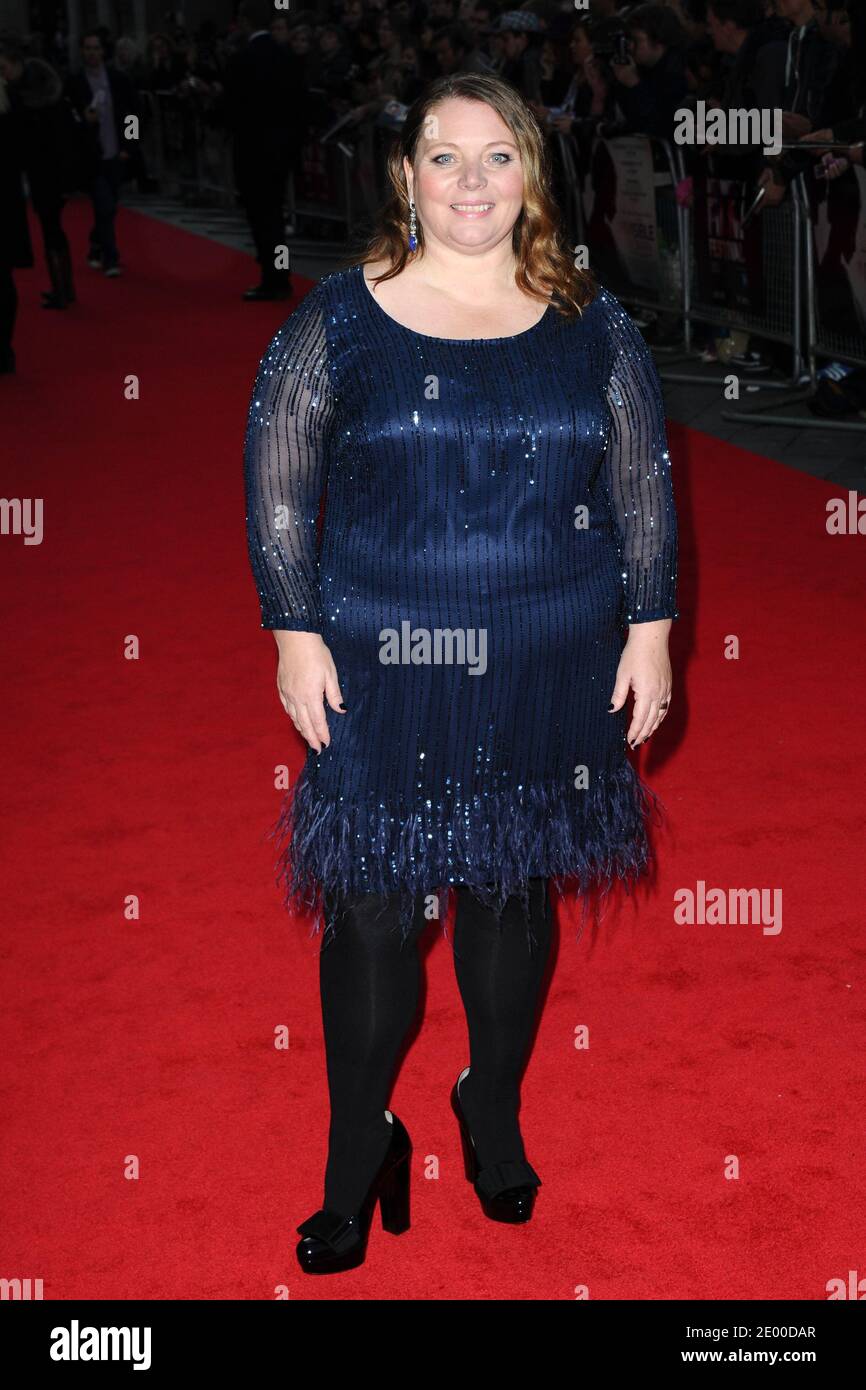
[
  {"x": 497, "y": 1178},
  {"x": 339, "y": 1232}
]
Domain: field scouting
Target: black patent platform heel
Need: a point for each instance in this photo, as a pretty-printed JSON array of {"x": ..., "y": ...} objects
[
  {"x": 505, "y": 1190},
  {"x": 333, "y": 1242}
]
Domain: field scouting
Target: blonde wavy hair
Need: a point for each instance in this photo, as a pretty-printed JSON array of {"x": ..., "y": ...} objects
[{"x": 545, "y": 268}]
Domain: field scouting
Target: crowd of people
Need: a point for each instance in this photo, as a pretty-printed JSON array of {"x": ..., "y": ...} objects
[{"x": 276, "y": 82}]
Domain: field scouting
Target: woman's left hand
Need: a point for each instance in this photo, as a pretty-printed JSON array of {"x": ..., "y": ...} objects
[{"x": 645, "y": 668}]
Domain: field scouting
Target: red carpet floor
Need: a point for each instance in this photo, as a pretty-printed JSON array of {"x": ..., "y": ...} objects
[{"x": 158, "y": 1145}]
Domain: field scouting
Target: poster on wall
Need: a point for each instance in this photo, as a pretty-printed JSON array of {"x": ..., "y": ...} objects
[{"x": 620, "y": 214}]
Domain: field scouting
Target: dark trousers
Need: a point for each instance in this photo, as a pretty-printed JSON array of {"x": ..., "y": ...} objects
[
  {"x": 49, "y": 210},
  {"x": 261, "y": 186},
  {"x": 104, "y": 194}
]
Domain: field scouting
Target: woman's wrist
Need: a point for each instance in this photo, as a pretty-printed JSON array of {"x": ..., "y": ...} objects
[
  {"x": 288, "y": 637},
  {"x": 650, "y": 633}
]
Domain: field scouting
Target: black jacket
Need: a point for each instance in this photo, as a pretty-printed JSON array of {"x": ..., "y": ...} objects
[
  {"x": 649, "y": 107},
  {"x": 755, "y": 74},
  {"x": 263, "y": 103},
  {"x": 811, "y": 64},
  {"x": 124, "y": 101},
  {"x": 49, "y": 131}
]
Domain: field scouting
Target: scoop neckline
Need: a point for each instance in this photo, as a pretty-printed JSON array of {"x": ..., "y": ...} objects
[{"x": 431, "y": 338}]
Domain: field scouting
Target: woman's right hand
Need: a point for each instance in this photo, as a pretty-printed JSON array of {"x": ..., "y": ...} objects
[{"x": 306, "y": 677}]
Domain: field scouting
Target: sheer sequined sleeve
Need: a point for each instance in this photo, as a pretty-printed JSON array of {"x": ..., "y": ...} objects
[
  {"x": 286, "y": 452},
  {"x": 636, "y": 474}
]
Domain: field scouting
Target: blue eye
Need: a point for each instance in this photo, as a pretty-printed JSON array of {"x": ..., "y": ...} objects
[{"x": 500, "y": 155}]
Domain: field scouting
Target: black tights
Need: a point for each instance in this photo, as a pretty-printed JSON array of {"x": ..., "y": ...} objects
[{"x": 369, "y": 990}]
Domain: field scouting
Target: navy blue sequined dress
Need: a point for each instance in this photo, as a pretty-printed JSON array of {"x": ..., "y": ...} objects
[{"x": 496, "y": 510}]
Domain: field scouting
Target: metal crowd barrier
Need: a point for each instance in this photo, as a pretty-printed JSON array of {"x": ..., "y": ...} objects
[
  {"x": 680, "y": 291},
  {"x": 791, "y": 311},
  {"x": 191, "y": 159},
  {"x": 572, "y": 213},
  {"x": 188, "y": 155},
  {"x": 671, "y": 292},
  {"x": 839, "y": 341},
  {"x": 325, "y": 185},
  {"x": 824, "y": 335},
  {"x": 780, "y": 319}
]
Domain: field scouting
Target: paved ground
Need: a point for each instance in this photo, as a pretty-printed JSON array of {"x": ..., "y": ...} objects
[
  {"x": 791, "y": 434},
  {"x": 836, "y": 454}
]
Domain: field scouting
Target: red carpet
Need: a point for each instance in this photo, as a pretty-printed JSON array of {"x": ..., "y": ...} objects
[{"x": 147, "y": 1047}]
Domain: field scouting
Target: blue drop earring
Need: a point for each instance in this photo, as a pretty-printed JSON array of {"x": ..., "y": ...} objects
[{"x": 413, "y": 226}]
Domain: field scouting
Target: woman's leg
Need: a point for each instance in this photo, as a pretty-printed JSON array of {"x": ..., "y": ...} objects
[
  {"x": 500, "y": 980},
  {"x": 369, "y": 988}
]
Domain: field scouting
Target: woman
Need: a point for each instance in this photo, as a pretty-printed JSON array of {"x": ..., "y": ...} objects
[{"x": 499, "y": 499}]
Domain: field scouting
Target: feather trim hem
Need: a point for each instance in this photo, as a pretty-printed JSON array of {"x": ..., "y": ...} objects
[{"x": 584, "y": 841}]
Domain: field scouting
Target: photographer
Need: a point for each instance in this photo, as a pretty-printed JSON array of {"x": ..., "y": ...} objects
[{"x": 652, "y": 83}]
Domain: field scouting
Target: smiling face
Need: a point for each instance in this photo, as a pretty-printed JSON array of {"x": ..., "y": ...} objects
[{"x": 467, "y": 180}]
